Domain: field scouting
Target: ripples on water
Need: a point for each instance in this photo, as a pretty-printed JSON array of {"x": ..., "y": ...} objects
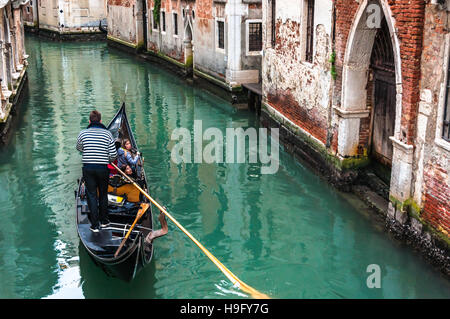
[{"x": 289, "y": 235}]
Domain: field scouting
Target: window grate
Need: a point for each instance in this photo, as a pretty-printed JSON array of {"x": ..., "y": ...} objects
[
  {"x": 220, "y": 34},
  {"x": 163, "y": 18},
  {"x": 175, "y": 24},
  {"x": 446, "y": 123},
  {"x": 274, "y": 27},
  {"x": 310, "y": 31},
  {"x": 255, "y": 36}
]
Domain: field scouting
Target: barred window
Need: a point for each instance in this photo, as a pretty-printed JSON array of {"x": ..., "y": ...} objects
[
  {"x": 175, "y": 24},
  {"x": 446, "y": 124},
  {"x": 255, "y": 36},
  {"x": 163, "y": 21},
  {"x": 273, "y": 25},
  {"x": 220, "y": 34},
  {"x": 310, "y": 31},
  {"x": 154, "y": 24}
]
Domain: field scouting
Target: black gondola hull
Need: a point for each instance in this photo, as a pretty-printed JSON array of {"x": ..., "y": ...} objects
[
  {"x": 126, "y": 266},
  {"x": 101, "y": 246}
]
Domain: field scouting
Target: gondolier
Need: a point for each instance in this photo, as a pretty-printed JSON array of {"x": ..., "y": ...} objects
[
  {"x": 126, "y": 246},
  {"x": 98, "y": 148}
]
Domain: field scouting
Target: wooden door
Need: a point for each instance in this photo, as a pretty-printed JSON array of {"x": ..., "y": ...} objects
[{"x": 383, "y": 115}]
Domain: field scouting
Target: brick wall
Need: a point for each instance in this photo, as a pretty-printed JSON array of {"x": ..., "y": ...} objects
[
  {"x": 297, "y": 89},
  {"x": 166, "y": 43},
  {"x": 409, "y": 20},
  {"x": 308, "y": 120},
  {"x": 436, "y": 198},
  {"x": 432, "y": 160},
  {"x": 122, "y": 3}
]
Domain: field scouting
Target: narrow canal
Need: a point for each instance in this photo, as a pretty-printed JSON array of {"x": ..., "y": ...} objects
[{"x": 288, "y": 234}]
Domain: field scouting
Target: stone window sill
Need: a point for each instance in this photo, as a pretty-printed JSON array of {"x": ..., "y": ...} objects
[{"x": 442, "y": 144}]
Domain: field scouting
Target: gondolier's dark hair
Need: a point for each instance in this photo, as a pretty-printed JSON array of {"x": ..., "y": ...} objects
[{"x": 95, "y": 116}]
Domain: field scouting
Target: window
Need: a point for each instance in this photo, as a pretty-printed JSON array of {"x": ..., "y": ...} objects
[
  {"x": 220, "y": 34},
  {"x": 154, "y": 25},
  {"x": 310, "y": 31},
  {"x": 175, "y": 24},
  {"x": 163, "y": 21},
  {"x": 446, "y": 124},
  {"x": 255, "y": 36},
  {"x": 273, "y": 25}
]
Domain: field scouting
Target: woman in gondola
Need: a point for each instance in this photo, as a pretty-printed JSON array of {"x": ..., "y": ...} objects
[{"x": 126, "y": 161}]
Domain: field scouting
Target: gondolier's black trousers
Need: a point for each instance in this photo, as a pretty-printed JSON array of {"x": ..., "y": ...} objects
[{"x": 97, "y": 179}]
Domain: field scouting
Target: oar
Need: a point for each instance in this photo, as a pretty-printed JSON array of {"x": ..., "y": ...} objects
[
  {"x": 232, "y": 277},
  {"x": 142, "y": 210}
]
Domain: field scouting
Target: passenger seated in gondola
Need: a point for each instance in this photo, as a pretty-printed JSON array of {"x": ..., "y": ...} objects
[
  {"x": 112, "y": 169},
  {"x": 126, "y": 161}
]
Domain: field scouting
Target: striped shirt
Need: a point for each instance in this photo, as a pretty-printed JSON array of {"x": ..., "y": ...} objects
[{"x": 97, "y": 145}]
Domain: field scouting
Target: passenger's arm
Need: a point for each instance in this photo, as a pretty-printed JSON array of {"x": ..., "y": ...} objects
[{"x": 131, "y": 160}]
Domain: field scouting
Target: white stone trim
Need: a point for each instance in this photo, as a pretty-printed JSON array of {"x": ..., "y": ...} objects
[
  {"x": 350, "y": 71},
  {"x": 152, "y": 21},
  {"x": 407, "y": 148},
  {"x": 354, "y": 74},
  {"x": 351, "y": 114},
  {"x": 247, "y": 39},
  {"x": 216, "y": 33},
  {"x": 439, "y": 141},
  {"x": 173, "y": 24},
  {"x": 165, "y": 21},
  {"x": 402, "y": 170}
]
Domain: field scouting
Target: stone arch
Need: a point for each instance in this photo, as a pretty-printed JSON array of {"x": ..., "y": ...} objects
[
  {"x": 188, "y": 41},
  {"x": 188, "y": 31},
  {"x": 188, "y": 28},
  {"x": 355, "y": 73}
]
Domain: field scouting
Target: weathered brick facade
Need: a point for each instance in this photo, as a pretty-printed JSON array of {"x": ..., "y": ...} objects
[
  {"x": 68, "y": 17},
  {"x": 13, "y": 61},
  {"x": 167, "y": 42},
  {"x": 187, "y": 37},
  {"x": 432, "y": 156},
  {"x": 294, "y": 87},
  {"x": 124, "y": 19},
  {"x": 338, "y": 111}
]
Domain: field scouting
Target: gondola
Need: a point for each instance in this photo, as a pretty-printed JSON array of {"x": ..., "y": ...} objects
[
  {"x": 124, "y": 201},
  {"x": 102, "y": 28}
]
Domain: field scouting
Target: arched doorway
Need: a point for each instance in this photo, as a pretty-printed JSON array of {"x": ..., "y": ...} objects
[
  {"x": 371, "y": 101},
  {"x": 382, "y": 68}
]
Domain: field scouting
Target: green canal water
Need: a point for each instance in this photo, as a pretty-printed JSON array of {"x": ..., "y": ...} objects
[{"x": 288, "y": 234}]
